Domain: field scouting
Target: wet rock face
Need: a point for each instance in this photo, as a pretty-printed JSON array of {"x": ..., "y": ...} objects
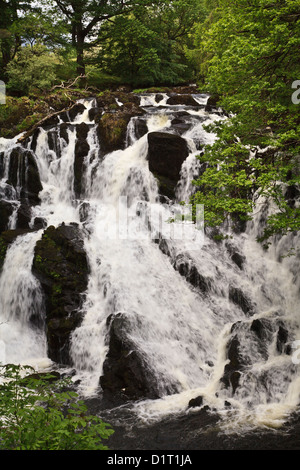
[
  {"x": 125, "y": 374},
  {"x": 112, "y": 120},
  {"x": 6, "y": 210},
  {"x": 61, "y": 266},
  {"x": 239, "y": 298},
  {"x": 23, "y": 175},
  {"x": 81, "y": 151},
  {"x": 249, "y": 343},
  {"x": 182, "y": 99},
  {"x": 166, "y": 154},
  {"x": 188, "y": 270}
]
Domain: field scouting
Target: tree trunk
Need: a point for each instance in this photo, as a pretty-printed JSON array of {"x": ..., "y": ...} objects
[{"x": 80, "y": 56}]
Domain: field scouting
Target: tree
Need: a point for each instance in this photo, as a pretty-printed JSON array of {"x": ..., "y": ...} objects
[
  {"x": 33, "y": 67},
  {"x": 148, "y": 46},
  {"x": 251, "y": 58},
  {"x": 41, "y": 412},
  {"x": 85, "y": 18},
  {"x": 10, "y": 43}
]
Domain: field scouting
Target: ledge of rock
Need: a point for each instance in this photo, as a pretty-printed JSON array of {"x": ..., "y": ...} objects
[{"x": 125, "y": 374}]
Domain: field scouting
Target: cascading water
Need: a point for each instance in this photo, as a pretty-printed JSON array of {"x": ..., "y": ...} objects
[{"x": 182, "y": 331}]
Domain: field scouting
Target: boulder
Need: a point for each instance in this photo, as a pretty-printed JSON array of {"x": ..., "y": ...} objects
[
  {"x": 60, "y": 264},
  {"x": 140, "y": 127},
  {"x": 112, "y": 127},
  {"x": 195, "y": 402},
  {"x": 76, "y": 109},
  {"x": 24, "y": 176},
  {"x": 166, "y": 154},
  {"x": 23, "y": 216},
  {"x": 125, "y": 373}
]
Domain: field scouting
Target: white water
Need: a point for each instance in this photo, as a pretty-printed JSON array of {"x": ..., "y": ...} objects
[{"x": 181, "y": 332}]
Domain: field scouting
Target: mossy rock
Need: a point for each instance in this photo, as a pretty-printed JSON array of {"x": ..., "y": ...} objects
[{"x": 61, "y": 266}]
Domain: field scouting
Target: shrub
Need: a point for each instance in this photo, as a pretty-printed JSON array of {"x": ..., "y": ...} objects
[
  {"x": 33, "y": 68},
  {"x": 41, "y": 412}
]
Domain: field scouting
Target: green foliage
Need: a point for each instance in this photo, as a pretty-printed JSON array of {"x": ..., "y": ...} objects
[
  {"x": 147, "y": 47},
  {"x": 33, "y": 67},
  {"x": 250, "y": 58},
  {"x": 39, "y": 412}
]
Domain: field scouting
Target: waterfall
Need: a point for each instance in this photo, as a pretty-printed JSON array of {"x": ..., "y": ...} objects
[{"x": 185, "y": 297}]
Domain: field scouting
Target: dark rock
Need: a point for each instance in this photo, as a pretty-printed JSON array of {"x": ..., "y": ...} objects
[
  {"x": 82, "y": 131},
  {"x": 282, "y": 339},
  {"x": 53, "y": 142},
  {"x": 112, "y": 129},
  {"x": 39, "y": 223},
  {"x": 212, "y": 103},
  {"x": 125, "y": 373},
  {"x": 166, "y": 154},
  {"x": 232, "y": 370},
  {"x": 187, "y": 269},
  {"x": 64, "y": 116},
  {"x": 35, "y": 135},
  {"x": 60, "y": 264},
  {"x": 238, "y": 297},
  {"x": 166, "y": 186},
  {"x": 24, "y": 176},
  {"x": 75, "y": 110},
  {"x": 262, "y": 328},
  {"x": 180, "y": 125},
  {"x": 159, "y": 97},
  {"x": 2, "y": 166},
  {"x": 93, "y": 113},
  {"x": 81, "y": 151},
  {"x": 63, "y": 132},
  {"x": 194, "y": 402},
  {"x": 23, "y": 216},
  {"x": 292, "y": 195},
  {"x": 140, "y": 127},
  {"x": 185, "y": 99},
  {"x": 6, "y": 210},
  {"x": 50, "y": 122},
  {"x": 236, "y": 257},
  {"x": 260, "y": 335}
]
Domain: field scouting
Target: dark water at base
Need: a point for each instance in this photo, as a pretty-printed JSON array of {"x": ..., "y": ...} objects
[{"x": 193, "y": 430}]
